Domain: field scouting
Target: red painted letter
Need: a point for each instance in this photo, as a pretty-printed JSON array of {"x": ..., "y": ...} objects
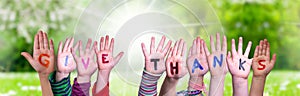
[
  {"x": 104, "y": 58},
  {"x": 46, "y": 62},
  {"x": 263, "y": 66}
]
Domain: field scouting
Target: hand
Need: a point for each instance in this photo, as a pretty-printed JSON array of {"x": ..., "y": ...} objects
[
  {"x": 175, "y": 63},
  {"x": 239, "y": 65},
  {"x": 154, "y": 62},
  {"x": 43, "y": 56},
  {"x": 196, "y": 61},
  {"x": 261, "y": 64},
  {"x": 105, "y": 59},
  {"x": 86, "y": 64},
  {"x": 65, "y": 60},
  {"x": 216, "y": 60}
]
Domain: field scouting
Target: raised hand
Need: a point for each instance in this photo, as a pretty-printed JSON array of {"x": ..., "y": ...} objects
[
  {"x": 217, "y": 59},
  {"x": 154, "y": 62},
  {"x": 86, "y": 65},
  {"x": 65, "y": 60},
  {"x": 105, "y": 59},
  {"x": 197, "y": 61},
  {"x": 43, "y": 54},
  {"x": 261, "y": 64},
  {"x": 176, "y": 64},
  {"x": 217, "y": 65},
  {"x": 239, "y": 65},
  {"x": 42, "y": 60}
]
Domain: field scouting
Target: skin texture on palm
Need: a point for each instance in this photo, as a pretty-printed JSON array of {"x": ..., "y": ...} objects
[
  {"x": 175, "y": 59},
  {"x": 154, "y": 61},
  {"x": 42, "y": 60},
  {"x": 217, "y": 65},
  {"x": 239, "y": 66},
  {"x": 105, "y": 61},
  {"x": 197, "y": 63},
  {"x": 65, "y": 59},
  {"x": 261, "y": 66},
  {"x": 86, "y": 65}
]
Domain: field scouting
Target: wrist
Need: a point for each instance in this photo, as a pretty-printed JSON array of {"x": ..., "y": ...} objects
[
  {"x": 60, "y": 75},
  {"x": 83, "y": 78},
  {"x": 196, "y": 84},
  {"x": 172, "y": 80},
  {"x": 42, "y": 75}
]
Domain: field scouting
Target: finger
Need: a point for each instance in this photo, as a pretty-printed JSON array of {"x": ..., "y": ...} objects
[
  {"x": 170, "y": 53},
  {"x": 70, "y": 45},
  {"x": 198, "y": 45},
  {"x": 246, "y": 54},
  {"x": 175, "y": 48},
  {"x": 41, "y": 42},
  {"x": 212, "y": 44},
  {"x": 81, "y": 53},
  {"x": 260, "y": 48},
  {"x": 190, "y": 52},
  {"x": 229, "y": 58},
  {"x": 152, "y": 45},
  {"x": 256, "y": 51},
  {"x": 273, "y": 59},
  {"x": 194, "y": 47},
  {"x": 36, "y": 41},
  {"x": 144, "y": 51},
  {"x": 101, "y": 43},
  {"x": 88, "y": 46},
  {"x": 167, "y": 47},
  {"x": 183, "y": 50},
  {"x": 233, "y": 48},
  {"x": 202, "y": 47},
  {"x": 74, "y": 54},
  {"x": 264, "y": 47},
  {"x": 161, "y": 44},
  {"x": 218, "y": 42},
  {"x": 118, "y": 57},
  {"x": 45, "y": 41},
  {"x": 106, "y": 42},
  {"x": 268, "y": 50},
  {"x": 29, "y": 58},
  {"x": 240, "y": 49},
  {"x": 51, "y": 46},
  {"x": 206, "y": 49},
  {"x": 76, "y": 46},
  {"x": 66, "y": 45},
  {"x": 111, "y": 46},
  {"x": 180, "y": 47},
  {"x": 60, "y": 48},
  {"x": 94, "y": 46},
  {"x": 224, "y": 44}
]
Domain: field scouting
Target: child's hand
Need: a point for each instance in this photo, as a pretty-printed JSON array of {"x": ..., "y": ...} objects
[
  {"x": 154, "y": 62},
  {"x": 239, "y": 64},
  {"x": 86, "y": 64},
  {"x": 175, "y": 63},
  {"x": 217, "y": 60},
  {"x": 105, "y": 59},
  {"x": 65, "y": 60},
  {"x": 43, "y": 55},
  {"x": 196, "y": 61},
  {"x": 261, "y": 64}
]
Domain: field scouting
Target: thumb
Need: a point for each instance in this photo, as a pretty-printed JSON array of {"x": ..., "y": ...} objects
[
  {"x": 273, "y": 59},
  {"x": 118, "y": 57},
  {"x": 28, "y": 57}
]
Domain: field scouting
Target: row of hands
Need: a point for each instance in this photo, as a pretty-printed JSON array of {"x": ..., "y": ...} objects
[{"x": 44, "y": 62}]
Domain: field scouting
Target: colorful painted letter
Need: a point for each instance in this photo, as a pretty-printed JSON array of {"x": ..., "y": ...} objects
[
  {"x": 196, "y": 65},
  {"x": 241, "y": 64},
  {"x": 104, "y": 58},
  {"x": 219, "y": 61},
  {"x": 46, "y": 62},
  {"x": 85, "y": 64},
  {"x": 66, "y": 60},
  {"x": 155, "y": 63},
  {"x": 263, "y": 66},
  {"x": 174, "y": 68}
]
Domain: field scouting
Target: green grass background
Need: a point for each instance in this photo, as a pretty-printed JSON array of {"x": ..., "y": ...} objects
[{"x": 279, "y": 83}]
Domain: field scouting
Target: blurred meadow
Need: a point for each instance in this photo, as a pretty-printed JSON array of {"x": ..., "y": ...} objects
[{"x": 254, "y": 20}]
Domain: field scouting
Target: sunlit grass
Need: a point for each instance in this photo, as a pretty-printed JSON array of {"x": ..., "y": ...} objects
[{"x": 279, "y": 83}]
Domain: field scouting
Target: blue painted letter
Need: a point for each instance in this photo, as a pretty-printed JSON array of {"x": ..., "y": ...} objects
[
  {"x": 196, "y": 65},
  {"x": 219, "y": 61}
]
